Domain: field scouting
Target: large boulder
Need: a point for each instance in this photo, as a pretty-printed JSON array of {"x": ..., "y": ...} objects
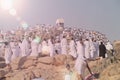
[
  {"x": 60, "y": 59},
  {"x": 37, "y": 72},
  {"x": 46, "y": 60},
  {"x": 16, "y": 60},
  {"x": 69, "y": 58},
  {"x": 14, "y": 66},
  {"x": 17, "y": 63},
  {"x": 2, "y": 59},
  {"x": 2, "y": 64},
  {"x": 23, "y": 62},
  {"x": 32, "y": 58},
  {"x": 28, "y": 63},
  {"x": 2, "y": 74},
  {"x": 20, "y": 75},
  {"x": 43, "y": 66}
]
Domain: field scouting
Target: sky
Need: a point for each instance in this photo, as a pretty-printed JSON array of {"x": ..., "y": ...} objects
[{"x": 99, "y": 15}]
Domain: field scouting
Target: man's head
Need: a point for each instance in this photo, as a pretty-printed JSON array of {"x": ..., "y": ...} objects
[{"x": 68, "y": 66}]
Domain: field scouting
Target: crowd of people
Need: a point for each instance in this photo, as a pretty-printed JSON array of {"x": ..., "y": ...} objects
[{"x": 49, "y": 40}]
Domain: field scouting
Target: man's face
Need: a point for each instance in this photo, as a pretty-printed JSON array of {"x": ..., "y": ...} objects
[{"x": 68, "y": 67}]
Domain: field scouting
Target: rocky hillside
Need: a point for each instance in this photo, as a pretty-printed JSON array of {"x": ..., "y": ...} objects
[
  {"x": 112, "y": 71},
  {"x": 53, "y": 68},
  {"x": 28, "y": 68}
]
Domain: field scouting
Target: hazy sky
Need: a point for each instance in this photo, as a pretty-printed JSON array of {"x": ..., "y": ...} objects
[{"x": 100, "y": 15}]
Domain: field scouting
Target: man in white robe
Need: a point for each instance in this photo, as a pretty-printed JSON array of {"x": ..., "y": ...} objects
[
  {"x": 15, "y": 51},
  {"x": 64, "y": 45},
  {"x": 34, "y": 47},
  {"x": 51, "y": 48},
  {"x": 109, "y": 48},
  {"x": 40, "y": 49},
  {"x": 57, "y": 47},
  {"x": 72, "y": 47},
  {"x": 92, "y": 48},
  {"x": 20, "y": 46},
  {"x": 25, "y": 48},
  {"x": 80, "y": 63},
  {"x": 12, "y": 45},
  {"x": 45, "y": 48},
  {"x": 87, "y": 48},
  {"x": 8, "y": 55},
  {"x": 96, "y": 44}
]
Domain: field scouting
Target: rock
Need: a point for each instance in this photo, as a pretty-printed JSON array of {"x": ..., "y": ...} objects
[
  {"x": 17, "y": 63},
  {"x": 2, "y": 64},
  {"x": 29, "y": 75},
  {"x": 31, "y": 67},
  {"x": 28, "y": 63},
  {"x": 17, "y": 60},
  {"x": 31, "y": 58},
  {"x": 21, "y": 75},
  {"x": 2, "y": 59},
  {"x": 23, "y": 62},
  {"x": 9, "y": 75},
  {"x": 14, "y": 66},
  {"x": 60, "y": 59},
  {"x": 69, "y": 58},
  {"x": 46, "y": 60},
  {"x": 2, "y": 73},
  {"x": 112, "y": 72},
  {"x": 37, "y": 73},
  {"x": 43, "y": 66},
  {"x": 18, "y": 76}
]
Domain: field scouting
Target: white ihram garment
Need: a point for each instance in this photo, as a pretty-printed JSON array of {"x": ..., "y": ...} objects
[
  {"x": 64, "y": 46},
  {"x": 87, "y": 49},
  {"x": 51, "y": 48},
  {"x": 8, "y": 54},
  {"x": 80, "y": 63},
  {"x": 58, "y": 47},
  {"x": 45, "y": 48},
  {"x": 72, "y": 49},
  {"x": 34, "y": 47},
  {"x": 39, "y": 48},
  {"x": 16, "y": 52},
  {"x": 96, "y": 44},
  {"x": 92, "y": 50},
  {"x": 25, "y": 48}
]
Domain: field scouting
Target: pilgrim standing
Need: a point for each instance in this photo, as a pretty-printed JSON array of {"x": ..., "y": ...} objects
[
  {"x": 45, "y": 48},
  {"x": 72, "y": 48},
  {"x": 109, "y": 49},
  {"x": 87, "y": 48},
  {"x": 34, "y": 47},
  {"x": 68, "y": 73},
  {"x": 25, "y": 47},
  {"x": 64, "y": 45},
  {"x": 20, "y": 46},
  {"x": 51, "y": 47},
  {"x": 40, "y": 48},
  {"x": 92, "y": 48},
  {"x": 57, "y": 47},
  {"x": 80, "y": 63},
  {"x": 96, "y": 44},
  {"x": 102, "y": 50},
  {"x": 15, "y": 51},
  {"x": 8, "y": 54}
]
